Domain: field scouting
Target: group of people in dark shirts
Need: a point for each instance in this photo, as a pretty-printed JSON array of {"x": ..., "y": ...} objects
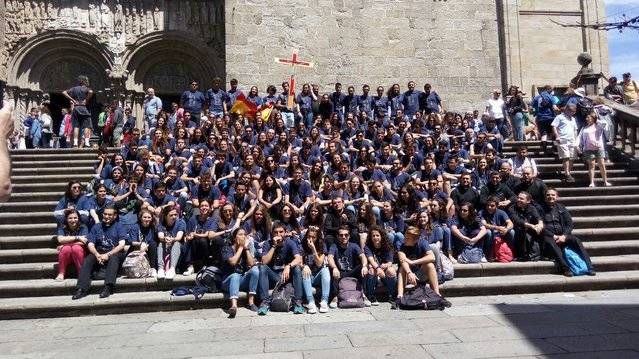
[{"x": 385, "y": 195}]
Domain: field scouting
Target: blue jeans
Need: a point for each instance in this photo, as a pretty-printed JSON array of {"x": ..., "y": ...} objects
[
  {"x": 321, "y": 278},
  {"x": 518, "y": 126},
  {"x": 269, "y": 277},
  {"x": 236, "y": 282},
  {"x": 396, "y": 238},
  {"x": 389, "y": 282}
]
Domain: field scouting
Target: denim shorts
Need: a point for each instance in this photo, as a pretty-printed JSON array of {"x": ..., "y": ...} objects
[{"x": 595, "y": 154}]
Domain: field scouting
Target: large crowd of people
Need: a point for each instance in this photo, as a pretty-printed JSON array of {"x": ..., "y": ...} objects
[{"x": 387, "y": 188}]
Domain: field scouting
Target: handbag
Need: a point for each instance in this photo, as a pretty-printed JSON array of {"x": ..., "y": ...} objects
[
  {"x": 576, "y": 264},
  {"x": 502, "y": 251},
  {"x": 448, "y": 270},
  {"x": 470, "y": 254},
  {"x": 136, "y": 265}
]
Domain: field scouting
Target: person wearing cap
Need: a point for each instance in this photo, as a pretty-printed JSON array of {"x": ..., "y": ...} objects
[{"x": 630, "y": 89}]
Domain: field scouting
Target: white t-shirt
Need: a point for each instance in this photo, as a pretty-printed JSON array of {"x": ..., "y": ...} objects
[
  {"x": 566, "y": 127},
  {"x": 496, "y": 108}
]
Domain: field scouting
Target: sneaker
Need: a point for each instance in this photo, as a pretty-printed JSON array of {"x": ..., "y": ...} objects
[
  {"x": 333, "y": 304},
  {"x": 298, "y": 309},
  {"x": 312, "y": 308},
  {"x": 170, "y": 274},
  {"x": 592, "y": 184},
  {"x": 153, "y": 273},
  {"x": 484, "y": 260},
  {"x": 232, "y": 312},
  {"x": 367, "y": 303},
  {"x": 570, "y": 179},
  {"x": 608, "y": 184},
  {"x": 189, "y": 271},
  {"x": 323, "y": 307},
  {"x": 395, "y": 303},
  {"x": 252, "y": 307},
  {"x": 161, "y": 274},
  {"x": 374, "y": 302},
  {"x": 263, "y": 310}
]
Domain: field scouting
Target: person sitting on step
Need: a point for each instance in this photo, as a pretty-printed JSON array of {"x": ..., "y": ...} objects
[
  {"x": 239, "y": 269},
  {"x": 557, "y": 233},
  {"x": 106, "y": 251},
  {"x": 346, "y": 259},
  {"x": 72, "y": 240},
  {"x": 528, "y": 226}
]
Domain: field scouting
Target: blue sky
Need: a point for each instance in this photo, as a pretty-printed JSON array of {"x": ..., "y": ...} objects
[{"x": 623, "y": 47}]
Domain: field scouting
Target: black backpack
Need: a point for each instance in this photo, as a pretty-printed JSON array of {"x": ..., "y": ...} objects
[
  {"x": 210, "y": 278},
  {"x": 421, "y": 297},
  {"x": 281, "y": 297}
]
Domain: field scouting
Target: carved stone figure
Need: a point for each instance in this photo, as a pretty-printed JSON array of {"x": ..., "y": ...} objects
[
  {"x": 156, "y": 15},
  {"x": 106, "y": 20},
  {"x": 93, "y": 16},
  {"x": 118, "y": 18}
]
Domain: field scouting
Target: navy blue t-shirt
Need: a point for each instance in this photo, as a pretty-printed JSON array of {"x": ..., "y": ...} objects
[
  {"x": 309, "y": 258},
  {"x": 345, "y": 258},
  {"x": 106, "y": 237},
  {"x": 381, "y": 255},
  {"x": 417, "y": 251},
  {"x": 283, "y": 254}
]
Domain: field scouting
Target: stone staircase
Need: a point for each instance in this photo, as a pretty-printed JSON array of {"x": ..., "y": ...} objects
[{"x": 606, "y": 218}]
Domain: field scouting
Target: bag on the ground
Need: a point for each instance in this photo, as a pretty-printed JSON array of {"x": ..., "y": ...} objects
[
  {"x": 576, "y": 264},
  {"x": 448, "y": 271},
  {"x": 470, "y": 254},
  {"x": 197, "y": 291},
  {"x": 501, "y": 251},
  {"x": 136, "y": 265},
  {"x": 210, "y": 278},
  {"x": 282, "y": 297},
  {"x": 350, "y": 293},
  {"x": 421, "y": 297}
]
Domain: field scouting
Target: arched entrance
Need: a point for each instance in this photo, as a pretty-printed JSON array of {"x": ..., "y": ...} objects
[
  {"x": 167, "y": 61},
  {"x": 47, "y": 64}
]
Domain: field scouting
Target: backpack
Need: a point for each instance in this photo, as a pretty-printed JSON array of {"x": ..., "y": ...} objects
[
  {"x": 350, "y": 293},
  {"x": 421, "y": 297},
  {"x": 502, "y": 251},
  {"x": 136, "y": 265},
  {"x": 210, "y": 278},
  {"x": 576, "y": 264},
  {"x": 197, "y": 291},
  {"x": 281, "y": 297},
  {"x": 447, "y": 270},
  {"x": 470, "y": 254}
]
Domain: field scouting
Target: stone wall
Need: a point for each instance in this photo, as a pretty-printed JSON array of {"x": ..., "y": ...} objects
[
  {"x": 450, "y": 44},
  {"x": 541, "y": 52}
]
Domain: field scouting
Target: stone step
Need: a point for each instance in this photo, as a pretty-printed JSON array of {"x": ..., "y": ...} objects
[
  {"x": 603, "y": 209},
  {"x": 595, "y": 200},
  {"x": 35, "y": 255},
  {"x": 25, "y": 207},
  {"x": 601, "y": 264},
  {"x": 608, "y": 221},
  {"x": 52, "y": 170},
  {"x": 54, "y": 156},
  {"x": 582, "y": 182},
  {"x": 612, "y": 248},
  {"x": 58, "y": 187},
  {"x": 157, "y": 299},
  {"x": 599, "y": 233},
  {"x": 587, "y": 192},
  {"x": 558, "y": 166},
  {"x": 52, "y": 163},
  {"x": 27, "y": 242},
  {"x": 582, "y": 175},
  {"x": 27, "y": 197},
  {"x": 49, "y": 178},
  {"x": 61, "y": 151},
  {"x": 31, "y": 218},
  {"x": 48, "y": 270},
  {"x": 11, "y": 230}
]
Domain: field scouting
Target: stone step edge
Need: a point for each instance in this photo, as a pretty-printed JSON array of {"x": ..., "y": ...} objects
[{"x": 60, "y": 306}]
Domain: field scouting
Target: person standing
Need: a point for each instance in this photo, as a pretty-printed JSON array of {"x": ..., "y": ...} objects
[
  {"x": 6, "y": 129},
  {"x": 496, "y": 108},
  {"x": 410, "y": 100},
  {"x": 516, "y": 107},
  {"x": 564, "y": 127},
  {"x": 79, "y": 96},
  {"x": 217, "y": 99},
  {"x": 152, "y": 107},
  {"x": 630, "y": 90},
  {"x": 193, "y": 101},
  {"x": 545, "y": 109}
]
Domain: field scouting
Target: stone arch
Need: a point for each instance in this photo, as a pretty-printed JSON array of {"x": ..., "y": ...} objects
[
  {"x": 49, "y": 62},
  {"x": 167, "y": 60}
]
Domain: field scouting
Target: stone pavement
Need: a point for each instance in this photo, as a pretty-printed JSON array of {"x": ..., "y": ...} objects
[{"x": 555, "y": 325}]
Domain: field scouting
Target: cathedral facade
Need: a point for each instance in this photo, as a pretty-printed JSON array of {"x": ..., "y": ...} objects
[{"x": 464, "y": 48}]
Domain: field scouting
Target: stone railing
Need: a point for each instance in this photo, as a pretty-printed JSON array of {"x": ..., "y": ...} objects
[{"x": 626, "y": 122}]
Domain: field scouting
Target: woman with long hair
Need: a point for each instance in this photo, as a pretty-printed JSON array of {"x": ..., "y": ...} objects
[
  {"x": 170, "y": 235},
  {"x": 239, "y": 269},
  {"x": 199, "y": 230},
  {"x": 315, "y": 270},
  {"x": 365, "y": 220},
  {"x": 270, "y": 195},
  {"x": 439, "y": 219},
  {"x": 144, "y": 238},
  {"x": 379, "y": 252},
  {"x": 467, "y": 229},
  {"x": 73, "y": 198},
  {"x": 72, "y": 240}
]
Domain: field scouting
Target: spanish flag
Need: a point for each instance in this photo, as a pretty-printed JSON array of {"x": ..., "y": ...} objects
[
  {"x": 243, "y": 106},
  {"x": 266, "y": 112}
]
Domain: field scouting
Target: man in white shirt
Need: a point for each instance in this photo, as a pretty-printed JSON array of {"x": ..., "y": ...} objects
[
  {"x": 564, "y": 126},
  {"x": 6, "y": 129},
  {"x": 496, "y": 108}
]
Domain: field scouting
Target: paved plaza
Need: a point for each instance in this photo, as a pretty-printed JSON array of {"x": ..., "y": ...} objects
[{"x": 556, "y": 325}]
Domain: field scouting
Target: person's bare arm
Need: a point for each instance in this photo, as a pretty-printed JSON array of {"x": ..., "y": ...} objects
[{"x": 6, "y": 129}]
